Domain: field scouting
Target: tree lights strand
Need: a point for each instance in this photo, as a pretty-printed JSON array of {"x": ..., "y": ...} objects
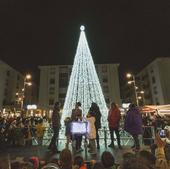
[{"x": 84, "y": 84}]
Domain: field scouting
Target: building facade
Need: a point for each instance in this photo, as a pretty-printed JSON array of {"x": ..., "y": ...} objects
[
  {"x": 54, "y": 80},
  {"x": 155, "y": 81},
  {"x": 11, "y": 82}
]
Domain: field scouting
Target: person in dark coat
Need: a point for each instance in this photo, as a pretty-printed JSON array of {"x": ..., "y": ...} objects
[
  {"x": 94, "y": 109},
  {"x": 56, "y": 127},
  {"x": 133, "y": 124},
  {"x": 114, "y": 117}
]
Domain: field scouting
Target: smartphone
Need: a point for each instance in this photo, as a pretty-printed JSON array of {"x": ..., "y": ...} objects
[{"x": 162, "y": 133}]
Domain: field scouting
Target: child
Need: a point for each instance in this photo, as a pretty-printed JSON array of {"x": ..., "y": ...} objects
[
  {"x": 91, "y": 132},
  {"x": 67, "y": 122},
  {"x": 79, "y": 163},
  {"x": 40, "y": 131}
]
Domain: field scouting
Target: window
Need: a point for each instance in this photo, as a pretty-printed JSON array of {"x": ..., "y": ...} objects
[
  {"x": 51, "y": 101},
  {"x": 153, "y": 79},
  {"x": 8, "y": 73},
  {"x": 105, "y": 89},
  {"x": 51, "y": 90},
  {"x": 52, "y": 70},
  {"x": 104, "y": 68},
  {"x": 157, "y": 101},
  {"x": 63, "y": 80},
  {"x": 155, "y": 90},
  {"x": 105, "y": 80},
  {"x": 18, "y": 77},
  {"x": 63, "y": 68},
  {"x": 17, "y": 86},
  {"x": 5, "y": 92},
  {"x": 52, "y": 81},
  {"x": 151, "y": 70},
  {"x": 6, "y": 83},
  {"x": 62, "y": 95}
]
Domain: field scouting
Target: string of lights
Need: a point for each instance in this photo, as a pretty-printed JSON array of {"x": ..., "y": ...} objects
[{"x": 84, "y": 83}]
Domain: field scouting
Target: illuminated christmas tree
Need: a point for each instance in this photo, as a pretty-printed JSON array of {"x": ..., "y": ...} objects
[{"x": 84, "y": 84}]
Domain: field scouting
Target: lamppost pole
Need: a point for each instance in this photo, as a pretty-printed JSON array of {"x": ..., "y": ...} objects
[
  {"x": 134, "y": 83},
  {"x": 27, "y": 77},
  {"x": 143, "y": 97}
]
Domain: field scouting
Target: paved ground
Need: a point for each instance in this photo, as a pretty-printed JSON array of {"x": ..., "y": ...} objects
[{"x": 42, "y": 152}]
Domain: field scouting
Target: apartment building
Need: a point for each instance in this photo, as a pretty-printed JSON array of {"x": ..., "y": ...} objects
[
  {"x": 11, "y": 81},
  {"x": 155, "y": 80},
  {"x": 54, "y": 80}
]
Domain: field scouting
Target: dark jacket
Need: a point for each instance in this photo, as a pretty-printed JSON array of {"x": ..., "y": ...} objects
[
  {"x": 76, "y": 114},
  {"x": 97, "y": 114},
  {"x": 133, "y": 121},
  {"x": 56, "y": 118}
]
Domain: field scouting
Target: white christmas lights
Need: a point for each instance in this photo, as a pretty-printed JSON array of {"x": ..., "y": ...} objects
[{"x": 84, "y": 84}]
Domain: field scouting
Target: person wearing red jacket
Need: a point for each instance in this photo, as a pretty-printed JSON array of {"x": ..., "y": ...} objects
[{"x": 114, "y": 120}]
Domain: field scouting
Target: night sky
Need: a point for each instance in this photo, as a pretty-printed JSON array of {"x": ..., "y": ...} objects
[{"x": 42, "y": 32}]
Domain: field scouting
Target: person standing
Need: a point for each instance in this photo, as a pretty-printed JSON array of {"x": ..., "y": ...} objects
[
  {"x": 56, "y": 127},
  {"x": 91, "y": 132},
  {"x": 77, "y": 116},
  {"x": 133, "y": 125},
  {"x": 94, "y": 109},
  {"x": 114, "y": 120}
]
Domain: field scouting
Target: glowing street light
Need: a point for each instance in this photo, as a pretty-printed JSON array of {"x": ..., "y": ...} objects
[
  {"x": 142, "y": 92},
  {"x": 131, "y": 76},
  {"x": 128, "y": 75},
  {"x": 28, "y": 76},
  {"x": 143, "y": 97},
  {"x": 139, "y": 97},
  {"x": 130, "y": 82}
]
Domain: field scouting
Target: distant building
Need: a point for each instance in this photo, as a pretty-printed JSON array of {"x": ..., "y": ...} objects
[
  {"x": 11, "y": 88},
  {"x": 155, "y": 80},
  {"x": 11, "y": 81},
  {"x": 54, "y": 81}
]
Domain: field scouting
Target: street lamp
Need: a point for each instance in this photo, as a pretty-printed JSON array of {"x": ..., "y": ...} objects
[
  {"x": 143, "y": 97},
  {"x": 26, "y": 82},
  {"x": 129, "y": 75},
  {"x": 28, "y": 76}
]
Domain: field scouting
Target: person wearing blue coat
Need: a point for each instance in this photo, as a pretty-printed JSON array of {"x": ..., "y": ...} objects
[{"x": 133, "y": 124}]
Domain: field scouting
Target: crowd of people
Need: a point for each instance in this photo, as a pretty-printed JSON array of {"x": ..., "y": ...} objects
[
  {"x": 130, "y": 160},
  {"x": 20, "y": 131}
]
